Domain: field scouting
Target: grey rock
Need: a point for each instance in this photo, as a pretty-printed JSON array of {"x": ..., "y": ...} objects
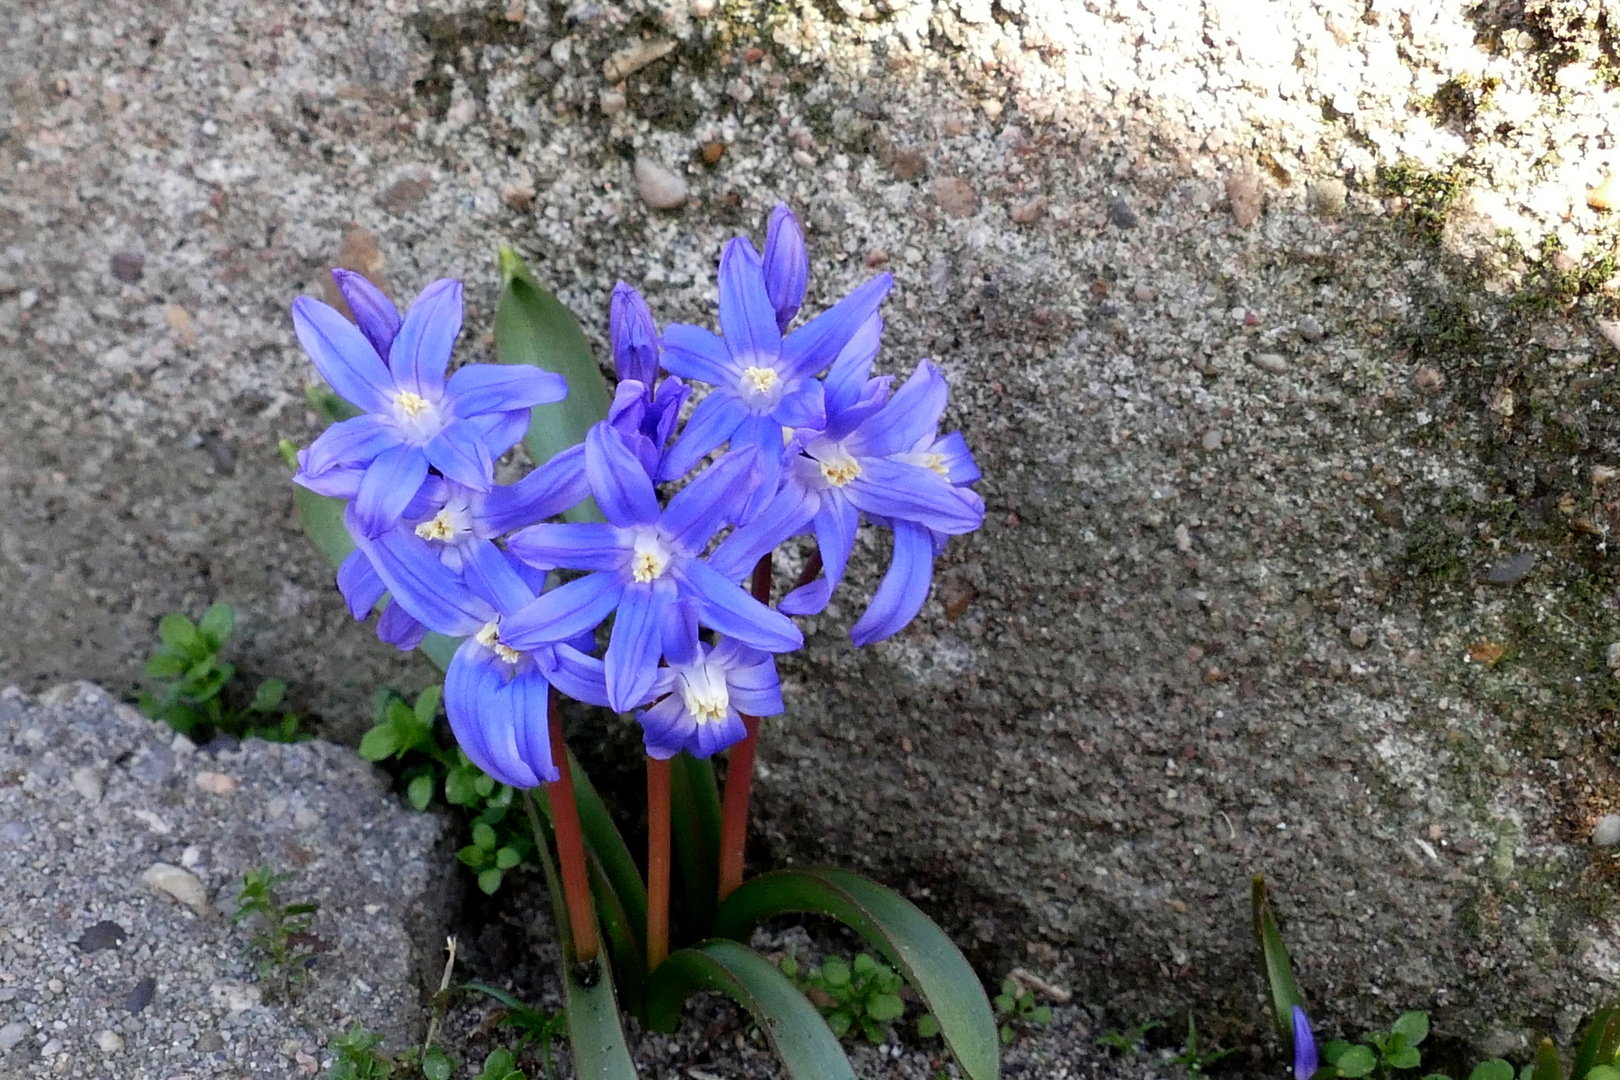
[
  {"x": 1121, "y": 215},
  {"x": 86, "y": 780},
  {"x": 180, "y": 884},
  {"x": 1607, "y": 831},
  {"x": 1511, "y": 570},
  {"x": 14, "y": 1033},
  {"x": 1274, "y": 363},
  {"x": 660, "y": 188},
  {"x": 1310, "y": 328},
  {"x": 129, "y": 266},
  {"x": 105, "y": 934},
  {"x": 140, "y": 996}
]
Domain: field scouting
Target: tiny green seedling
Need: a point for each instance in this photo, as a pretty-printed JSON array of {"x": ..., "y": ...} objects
[
  {"x": 1191, "y": 1058},
  {"x": 1382, "y": 1052},
  {"x": 500, "y": 1065},
  {"x": 1128, "y": 1042},
  {"x": 355, "y": 1056},
  {"x": 861, "y": 995},
  {"x": 1016, "y": 1008},
  {"x": 196, "y": 688},
  {"x": 283, "y": 945},
  {"x": 532, "y": 1025}
]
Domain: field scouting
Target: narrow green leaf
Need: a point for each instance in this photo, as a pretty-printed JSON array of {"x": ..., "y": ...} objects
[
  {"x": 322, "y": 518},
  {"x": 909, "y": 940},
  {"x": 426, "y": 709},
  {"x": 603, "y": 840},
  {"x": 379, "y": 743},
  {"x": 1547, "y": 1066},
  {"x": 1279, "y": 971},
  {"x": 594, "y": 1030},
  {"x": 1413, "y": 1025},
  {"x": 695, "y": 824},
  {"x": 1598, "y": 1044},
  {"x": 624, "y": 944},
  {"x": 328, "y": 406},
  {"x": 217, "y": 623},
  {"x": 1602, "y": 1072},
  {"x": 1494, "y": 1069},
  {"x": 420, "y": 791},
  {"x": 533, "y": 327},
  {"x": 803, "y": 1042}
]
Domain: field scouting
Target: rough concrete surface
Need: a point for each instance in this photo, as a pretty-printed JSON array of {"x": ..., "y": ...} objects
[
  {"x": 1275, "y": 335},
  {"x": 122, "y": 849}
]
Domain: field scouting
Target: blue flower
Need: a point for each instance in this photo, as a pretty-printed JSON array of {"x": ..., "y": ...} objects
[
  {"x": 414, "y": 417},
  {"x": 700, "y": 704},
  {"x": 495, "y": 693},
  {"x": 1305, "y": 1060},
  {"x": 880, "y": 456},
  {"x": 644, "y": 410},
  {"x": 646, "y": 566},
  {"x": 763, "y": 382}
]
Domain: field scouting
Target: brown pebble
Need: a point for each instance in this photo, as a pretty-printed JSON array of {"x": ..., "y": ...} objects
[
  {"x": 1429, "y": 379},
  {"x": 754, "y": 55},
  {"x": 1244, "y": 194},
  {"x": 519, "y": 195},
  {"x": 178, "y": 318},
  {"x": 1605, "y": 195},
  {"x": 908, "y": 164},
  {"x": 876, "y": 258},
  {"x": 713, "y": 152},
  {"x": 1026, "y": 212},
  {"x": 404, "y": 194},
  {"x": 357, "y": 252},
  {"x": 954, "y": 195},
  {"x": 216, "y": 782}
]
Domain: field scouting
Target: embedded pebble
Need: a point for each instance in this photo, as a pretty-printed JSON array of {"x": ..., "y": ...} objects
[
  {"x": 954, "y": 195},
  {"x": 1429, "y": 379},
  {"x": 626, "y": 62},
  {"x": 216, "y": 782},
  {"x": 140, "y": 995},
  {"x": 1026, "y": 212},
  {"x": 14, "y": 1033},
  {"x": 1309, "y": 328},
  {"x": 109, "y": 1041},
  {"x": 1326, "y": 198},
  {"x": 1144, "y": 294},
  {"x": 1359, "y": 637},
  {"x": 1244, "y": 195},
  {"x": 128, "y": 266},
  {"x": 178, "y": 883},
  {"x": 659, "y": 188},
  {"x": 611, "y": 102},
  {"x": 1275, "y": 363},
  {"x": 87, "y": 782},
  {"x": 1121, "y": 215},
  {"x": 1508, "y": 571},
  {"x": 103, "y": 935},
  {"x": 1607, "y": 831},
  {"x": 1212, "y": 439}
]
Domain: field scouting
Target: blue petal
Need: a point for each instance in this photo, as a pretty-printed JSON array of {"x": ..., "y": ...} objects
[
  {"x": 836, "y": 523},
  {"x": 390, "y": 483},
  {"x": 588, "y": 545},
  {"x": 804, "y": 406},
  {"x": 726, "y": 607},
  {"x": 679, "y": 633},
  {"x": 459, "y": 452},
  {"x": 667, "y": 401},
  {"x": 420, "y": 583},
  {"x": 343, "y": 355},
  {"x": 342, "y": 482},
  {"x": 751, "y": 678},
  {"x": 501, "y": 430},
  {"x": 489, "y": 573},
  {"x": 634, "y": 336},
  {"x": 717, "y": 735},
  {"x": 530, "y": 695},
  {"x": 786, "y": 515},
  {"x": 957, "y": 459},
  {"x": 911, "y": 416},
  {"x": 713, "y": 422},
  {"x": 565, "y": 611},
  {"x": 893, "y": 489},
  {"x": 359, "y": 584},
  {"x": 699, "y": 509},
  {"x": 373, "y": 312},
  {"x": 747, "y": 319},
  {"x": 479, "y": 706},
  {"x": 633, "y": 649},
  {"x": 847, "y": 377},
  {"x": 818, "y": 342},
  {"x": 787, "y": 265},
  {"x": 695, "y": 353},
  {"x": 622, "y": 487},
  {"x": 399, "y": 628},
  {"x": 1305, "y": 1058},
  {"x": 904, "y": 588},
  {"x": 354, "y": 442},
  {"x": 666, "y": 727},
  {"x": 481, "y": 388},
  {"x": 581, "y": 677},
  {"x": 421, "y": 349},
  {"x": 552, "y": 488}
]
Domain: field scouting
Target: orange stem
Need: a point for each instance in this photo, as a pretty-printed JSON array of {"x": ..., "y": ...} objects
[
  {"x": 657, "y": 862},
  {"x": 570, "y": 844},
  {"x": 740, "y": 773}
]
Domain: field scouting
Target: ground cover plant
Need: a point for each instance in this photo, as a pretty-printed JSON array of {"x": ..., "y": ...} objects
[{"x": 653, "y": 596}]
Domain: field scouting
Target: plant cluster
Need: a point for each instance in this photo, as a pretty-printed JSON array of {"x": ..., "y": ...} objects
[
  {"x": 862, "y": 996},
  {"x": 197, "y": 692},
  {"x": 358, "y": 1055},
  {"x": 283, "y": 947},
  {"x": 1016, "y": 1008}
]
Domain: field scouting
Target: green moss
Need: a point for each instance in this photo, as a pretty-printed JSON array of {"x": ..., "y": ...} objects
[{"x": 1429, "y": 196}]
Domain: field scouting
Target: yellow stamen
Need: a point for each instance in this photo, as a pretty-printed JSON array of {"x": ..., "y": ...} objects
[
  {"x": 647, "y": 565},
  {"x": 440, "y": 528},
  {"x": 705, "y": 694},
  {"x": 840, "y": 470},
  {"x": 761, "y": 380},
  {"x": 489, "y": 638},
  {"x": 410, "y": 404},
  {"x": 936, "y": 462}
]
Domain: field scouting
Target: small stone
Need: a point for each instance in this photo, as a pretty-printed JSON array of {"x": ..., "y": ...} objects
[
  {"x": 1508, "y": 571},
  {"x": 103, "y": 935},
  {"x": 908, "y": 164},
  {"x": 210, "y": 1042},
  {"x": 1120, "y": 214},
  {"x": 1326, "y": 199},
  {"x": 1144, "y": 293},
  {"x": 140, "y": 996},
  {"x": 1212, "y": 439},
  {"x": 659, "y": 188},
  {"x": 1607, "y": 831},
  {"x": 1275, "y": 363},
  {"x": 1604, "y": 474},
  {"x": 612, "y": 102},
  {"x": 954, "y": 195},
  {"x": 701, "y": 9},
  {"x": 235, "y": 996},
  {"x": 216, "y": 782},
  {"x": 178, "y": 318},
  {"x": 1359, "y": 637},
  {"x": 519, "y": 195},
  {"x": 1026, "y": 212},
  {"x": 1503, "y": 403},
  {"x": 404, "y": 194},
  {"x": 129, "y": 266},
  {"x": 178, "y": 883},
  {"x": 14, "y": 1033},
  {"x": 1612, "y": 658},
  {"x": 626, "y": 62},
  {"x": 713, "y": 152},
  {"x": 109, "y": 1041},
  {"x": 1309, "y": 328},
  {"x": 1605, "y": 195},
  {"x": 305, "y": 818},
  {"x": 87, "y": 782},
  {"x": 1429, "y": 379},
  {"x": 1244, "y": 195}
]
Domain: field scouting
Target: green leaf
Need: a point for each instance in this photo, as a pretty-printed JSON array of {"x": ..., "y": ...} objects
[
  {"x": 1494, "y": 1069},
  {"x": 885, "y": 1007},
  {"x": 839, "y": 1022},
  {"x": 268, "y": 695},
  {"x": 695, "y": 826},
  {"x": 483, "y": 784},
  {"x": 803, "y": 1041},
  {"x": 165, "y": 665},
  {"x": 420, "y": 791},
  {"x": 426, "y": 709},
  {"x": 489, "y": 880},
  {"x": 624, "y": 943},
  {"x": 1357, "y": 1061},
  {"x": 594, "y": 1030},
  {"x": 436, "y": 1065},
  {"x": 483, "y": 835},
  {"x": 1006, "y": 1034},
  {"x": 1333, "y": 1051},
  {"x": 533, "y": 327},
  {"x": 1547, "y": 1066},
  {"x": 1040, "y": 1014},
  {"x": 379, "y": 743},
  {"x": 1598, "y": 1044},
  {"x": 906, "y": 937},
  {"x": 835, "y": 971},
  {"x": 1004, "y": 1003},
  {"x": 322, "y": 518},
  {"x": 507, "y": 857},
  {"x": 927, "y": 1026},
  {"x": 179, "y": 634},
  {"x": 458, "y": 788},
  {"x": 1601, "y": 1072},
  {"x": 1406, "y": 1057},
  {"x": 472, "y": 855},
  {"x": 216, "y": 625},
  {"x": 603, "y": 840},
  {"x": 328, "y": 406},
  {"x": 1413, "y": 1025},
  {"x": 1279, "y": 971}
]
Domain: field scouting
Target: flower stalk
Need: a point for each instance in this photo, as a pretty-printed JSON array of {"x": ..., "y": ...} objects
[
  {"x": 570, "y": 843},
  {"x": 740, "y": 772},
  {"x": 658, "y": 861}
]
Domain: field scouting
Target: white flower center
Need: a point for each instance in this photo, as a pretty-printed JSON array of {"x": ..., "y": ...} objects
[
  {"x": 416, "y": 417},
  {"x": 649, "y": 557},
  {"x": 839, "y": 467},
  {"x": 703, "y": 689},
  {"x": 761, "y": 380},
  {"x": 410, "y": 405},
  {"x": 443, "y": 527},
  {"x": 490, "y": 638},
  {"x": 936, "y": 462}
]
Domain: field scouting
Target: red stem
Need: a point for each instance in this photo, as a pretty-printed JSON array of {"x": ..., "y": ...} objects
[
  {"x": 740, "y": 773},
  {"x": 570, "y": 844},
  {"x": 657, "y": 862}
]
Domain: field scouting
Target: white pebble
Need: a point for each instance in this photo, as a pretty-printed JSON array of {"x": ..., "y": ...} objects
[
  {"x": 109, "y": 1041},
  {"x": 87, "y": 782},
  {"x": 12, "y": 1034},
  {"x": 660, "y": 188},
  {"x": 1607, "y": 832},
  {"x": 178, "y": 883}
]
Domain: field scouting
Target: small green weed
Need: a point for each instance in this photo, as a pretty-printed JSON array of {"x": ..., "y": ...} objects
[
  {"x": 1191, "y": 1057},
  {"x": 500, "y": 1065},
  {"x": 283, "y": 945},
  {"x": 532, "y": 1025},
  {"x": 862, "y": 995},
  {"x": 196, "y": 689},
  {"x": 355, "y": 1056},
  {"x": 1381, "y": 1053},
  {"x": 1128, "y": 1042},
  {"x": 1016, "y": 1008}
]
